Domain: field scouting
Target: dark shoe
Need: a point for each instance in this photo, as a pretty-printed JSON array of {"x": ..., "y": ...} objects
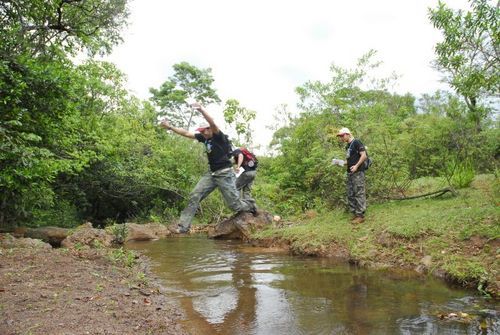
[{"x": 254, "y": 211}]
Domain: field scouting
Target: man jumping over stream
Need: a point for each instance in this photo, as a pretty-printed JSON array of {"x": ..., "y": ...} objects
[{"x": 220, "y": 175}]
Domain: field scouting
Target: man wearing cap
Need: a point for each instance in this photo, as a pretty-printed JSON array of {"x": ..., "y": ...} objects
[
  {"x": 221, "y": 174},
  {"x": 355, "y": 156}
]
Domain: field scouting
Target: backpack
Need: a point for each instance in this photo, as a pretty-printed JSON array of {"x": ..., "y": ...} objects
[
  {"x": 368, "y": 162},
  {"x": 250, "y": 158}
]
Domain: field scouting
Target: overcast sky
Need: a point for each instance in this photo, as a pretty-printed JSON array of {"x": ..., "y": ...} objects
[{"x": 260, "y": 51}]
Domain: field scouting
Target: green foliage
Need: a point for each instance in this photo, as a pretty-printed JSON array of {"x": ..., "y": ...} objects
[
  {"x": 119, "y": 231},
  {"x": 143, "y": 168},
  {"x": 62, "y": 213},
  {"x": 240, "y": 117},
  {"x": 459, "y": 174},
  {"x": 407, "y": 139},
  {"x": 78, "y": 246},
  {"x": 122, "y": 257},
  {"x": 47, "y": 125},
  {"x": 188, "y": 82},
  {"x": 308, "y": 142},
  {"x": 465, "y": 270},
  {"x": 468, "y": 55},
  {"x": 41, "y": 132},
  {"x": 41, "y": 26},
  {"x": 75, "y": 146},
  {"x": 96, "y": 244},
  {"x": 141, "y": 278}
]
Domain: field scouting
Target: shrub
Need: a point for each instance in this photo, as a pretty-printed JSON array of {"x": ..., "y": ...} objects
[{"x": 459, "y": 174}]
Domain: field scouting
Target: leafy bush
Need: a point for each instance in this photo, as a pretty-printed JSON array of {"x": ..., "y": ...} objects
[
  {"x": 119, "y": 231},
  {"x": 459, "y": 174},
  {"x": 63, "y": 214},
  {"x": 122, "y": 257}
]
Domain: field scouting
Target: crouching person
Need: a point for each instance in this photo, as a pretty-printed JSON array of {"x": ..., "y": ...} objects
[{"x": 246, "y": 160}]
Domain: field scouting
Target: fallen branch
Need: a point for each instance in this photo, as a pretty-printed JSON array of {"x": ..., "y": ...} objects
[{"x": 434, "y": 194}]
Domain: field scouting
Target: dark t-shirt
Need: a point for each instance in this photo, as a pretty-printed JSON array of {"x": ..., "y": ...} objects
[
  {"x": 245, "y": 165},
  {"x": 217, "y": 149},
  {"x": 353, "y": 155}
]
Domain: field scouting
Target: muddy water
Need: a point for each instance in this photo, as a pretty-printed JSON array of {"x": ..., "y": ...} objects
[{"x": 229, "y": 288}]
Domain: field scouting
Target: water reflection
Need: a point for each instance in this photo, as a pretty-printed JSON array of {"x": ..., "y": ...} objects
[{"x": 228, "y": 288}]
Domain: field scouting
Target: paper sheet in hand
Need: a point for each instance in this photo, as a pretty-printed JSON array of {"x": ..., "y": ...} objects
[
  {"x": 239, "y": 172},
  {"x": 338, "y": 162}
]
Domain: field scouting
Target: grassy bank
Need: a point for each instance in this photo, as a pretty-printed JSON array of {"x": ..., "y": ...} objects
[{"x": 457, "y": 237}]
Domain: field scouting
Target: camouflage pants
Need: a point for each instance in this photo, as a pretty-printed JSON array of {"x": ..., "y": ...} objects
[
  {"x": 224, "y": 180},
  {"x": 244, "y": 184},
  {"x": 356, "y": 196}
]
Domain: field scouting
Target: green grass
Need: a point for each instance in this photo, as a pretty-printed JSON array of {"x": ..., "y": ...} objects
[
  {"x": 324, "y": 229},
  {"x": 464, "y": 269},
  {"x": 470, "y": 213},
  {"x": 438, "y": 227}
]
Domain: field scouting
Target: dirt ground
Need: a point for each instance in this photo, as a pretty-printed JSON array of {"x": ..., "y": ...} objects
[{"x": 63, "y": 291}]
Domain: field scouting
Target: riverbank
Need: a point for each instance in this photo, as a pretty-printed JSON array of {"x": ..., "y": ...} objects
[
  {"x": 456, "y": 238},
  {"x": 80, "y": 291}
]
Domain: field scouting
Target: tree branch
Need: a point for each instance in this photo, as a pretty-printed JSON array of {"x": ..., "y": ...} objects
[{"x": 435, "y": 194}]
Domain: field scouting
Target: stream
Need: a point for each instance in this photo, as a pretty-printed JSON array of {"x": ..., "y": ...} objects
[{"x": 227, "y": 287}]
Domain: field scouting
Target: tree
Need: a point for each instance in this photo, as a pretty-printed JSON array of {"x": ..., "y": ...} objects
[
  {"x": 241, "y": 117},
  {"x": 187, "y": 83},
  {"x": 41, "y": 132},
  {"x": 469, "y": 55},
  {"x": 351, "y": 98},
  {"x": 37, "y": 26},
  {"x": 49, "y": 108}
]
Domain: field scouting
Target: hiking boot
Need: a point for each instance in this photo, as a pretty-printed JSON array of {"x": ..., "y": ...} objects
[
  {"x": 358, "y": 220},
  {"x": 254, "y": 211}
]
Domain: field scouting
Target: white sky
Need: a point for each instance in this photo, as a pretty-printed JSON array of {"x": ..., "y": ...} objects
[{"x": 260, "y": 51}]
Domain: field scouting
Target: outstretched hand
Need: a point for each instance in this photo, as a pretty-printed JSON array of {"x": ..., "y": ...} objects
[
  {"x": 165, "y": 124},
  {"x": 196, "y": 106}
]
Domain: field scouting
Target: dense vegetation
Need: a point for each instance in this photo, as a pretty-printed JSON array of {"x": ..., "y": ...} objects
[
  {"x": 75, "y": 145},
  {"x": 406, "y": 138}
]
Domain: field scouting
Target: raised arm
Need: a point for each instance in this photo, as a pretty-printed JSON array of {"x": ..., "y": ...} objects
[
  {"x": 183, "y": 132},
  {"x": 207, "y": 117}
]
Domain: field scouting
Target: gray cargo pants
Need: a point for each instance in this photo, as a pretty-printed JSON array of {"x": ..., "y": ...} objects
[
  {"x": 244, "y": 184},
  {"x": 224, "y": 179},
  {"x": 356, "y": 196}
]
